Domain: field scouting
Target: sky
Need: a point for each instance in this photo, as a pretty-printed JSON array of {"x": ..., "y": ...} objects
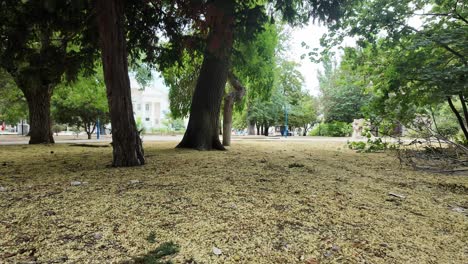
[{"x": 311, "y": 35}]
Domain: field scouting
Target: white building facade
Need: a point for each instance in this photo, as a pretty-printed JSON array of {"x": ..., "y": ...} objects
[{"x": 150, "y": 105}]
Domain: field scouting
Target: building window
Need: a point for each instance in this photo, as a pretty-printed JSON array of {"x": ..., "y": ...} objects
[
  {"x": 147, "y": 107},
  {"x": 139, "y": 107},
  {"x": 147, "y": 119},
  {"x": 156, "y": 121}
]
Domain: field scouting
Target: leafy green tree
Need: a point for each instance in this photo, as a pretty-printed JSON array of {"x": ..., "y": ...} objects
[
  {"x": 40, "y": 41},
  {"x": 13, "y": 107},
  {"x": 304, "y": 114},
  {"x": 81, "y": 103},
  {"x": 176, "y": 124},
  {"x": 229, "y": 20},
  {"x": 413, "y": 68},
  {"x": 342, "y": 93}
]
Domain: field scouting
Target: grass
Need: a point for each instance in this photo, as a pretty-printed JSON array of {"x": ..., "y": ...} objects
[{"x": 259, "y": 202}]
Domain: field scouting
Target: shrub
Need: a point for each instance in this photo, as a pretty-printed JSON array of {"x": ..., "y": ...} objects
[
  {"x": 333, "y": 129},
  {"x": 372, "y": 145}
]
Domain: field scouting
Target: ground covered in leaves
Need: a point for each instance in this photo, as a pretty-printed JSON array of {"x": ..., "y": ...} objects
[{"x": 259, "y": 202}]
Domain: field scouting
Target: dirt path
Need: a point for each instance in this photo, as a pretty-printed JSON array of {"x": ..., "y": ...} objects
[{"x": 259, "y": 202}]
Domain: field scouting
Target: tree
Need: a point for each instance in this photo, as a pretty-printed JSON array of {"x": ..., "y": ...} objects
[
  {"x": 342, "y": 93},
  {"x": 81, "y": 103},
  {"x": 304, "y": 114},
  {"x": 202, "y": 129},
  {"x": 413, "y": 67},
  {"x": 13, "y": 107},
  {"x": 224, "y": 17},
  {"x": 40, "y": 41},
  {"x": 126, "y": 141}
]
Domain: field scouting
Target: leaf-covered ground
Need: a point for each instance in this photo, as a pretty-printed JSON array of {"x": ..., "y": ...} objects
[{"x": 259, "y": 202}]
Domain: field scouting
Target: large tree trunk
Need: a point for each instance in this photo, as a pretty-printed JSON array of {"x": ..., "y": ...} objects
[
  {"x": 229, "y": 100},
  {"x": 465, "y": 108},
  {"x": 126, "y": 141},
  {"x": 266, "y": 127},
  {"x": 227, "y": 119},
  {"x": 459, "y": 117},
  {"x": 202, "y": 129},
  {"x": 251, "y": 127},
  {"x": 40, "y": 122}
]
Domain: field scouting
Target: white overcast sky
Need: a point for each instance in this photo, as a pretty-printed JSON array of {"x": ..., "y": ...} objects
[{"x": 311, "y": 35}]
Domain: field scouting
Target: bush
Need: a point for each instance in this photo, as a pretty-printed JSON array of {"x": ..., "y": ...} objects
[
  {"x": 56, "y": 128},
  {"x": 372, "y": 145},
  {"x": 333, "y": 129}
]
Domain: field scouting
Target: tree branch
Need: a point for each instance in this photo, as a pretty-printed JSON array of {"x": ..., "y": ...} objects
[
  {"x": 238, "y": 87},
  {"x": 465, "y": 110},
  {"x": 459, "y": 118}
]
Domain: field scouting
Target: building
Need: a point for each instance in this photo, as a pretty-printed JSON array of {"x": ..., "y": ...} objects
[{"x": 151, "y": 104}]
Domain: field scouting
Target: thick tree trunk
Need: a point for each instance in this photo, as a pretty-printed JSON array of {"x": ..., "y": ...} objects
[
  {"x": 459, "y": 117},
  {"x": 40, "y": 122},
  {"x": 229, "y": 99},
  {"x": 465, "y": 109},
  {"x": 126, "y": 141},
  {"x": 251, "y": 127},
  {"x": 258, "y": 129},
  {"x": 227, "y": 119},
  {"x": 202, "y": 129},
  {"x": 265, "y": 132}
]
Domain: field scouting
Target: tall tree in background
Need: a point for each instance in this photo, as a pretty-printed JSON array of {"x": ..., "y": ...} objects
[
  {"x": 13, "y": 106},
  {"x": 413, "y": 67},
  {"x": 342, "y": 93},
  {"x": 40, "y": 41},
  {"x": 82, "y": 103}
]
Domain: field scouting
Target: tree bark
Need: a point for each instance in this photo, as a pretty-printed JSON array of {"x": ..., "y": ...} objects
[
  {"x": 251, "y": 127},
  {"x": 265, "y": 132},
  {"x": 227, "y": 118},
  {"x": 459, "y": 117},
  {"x": 258, "y": 128},
  {"x": 40, "y": 122},
  {"x": 229, "y": 99},
  {"x": 202, "y": 129},
  {"x": 465, "y": 109},
  {"x": 126, "y": 141}
]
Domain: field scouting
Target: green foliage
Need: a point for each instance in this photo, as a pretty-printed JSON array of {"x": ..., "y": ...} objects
[
  {"x": 151, "y": 237},
  {"x": 155, "y": 256},
  {"x": 41, "y": 41},
  {"x": 81, "y": 103},
  {"x": 173, "y": 124},
  {"x": 56, "y": 128},
  {"x": 304, "y": 114},
  {"x": 412, "y": 69},
  {"x": 13, "y": 107},
  {"x": 342, "y": 93},
  {"x": 140, "y": 127},
  {"x": 332, "y": 129},
  {"x": 182, "y": 79},
  {"x": 372, "y": 145}
]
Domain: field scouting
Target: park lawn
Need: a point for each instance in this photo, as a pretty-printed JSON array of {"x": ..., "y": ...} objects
[{"x": 259, "y": 202}]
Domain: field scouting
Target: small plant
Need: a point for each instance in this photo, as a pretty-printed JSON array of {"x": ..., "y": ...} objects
[
  {"x": 151, "y": 237},
  {"x": 295, "y": 165},
  {"x": 372, "y": 145},
  {"x": 155, "y": 256}
]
